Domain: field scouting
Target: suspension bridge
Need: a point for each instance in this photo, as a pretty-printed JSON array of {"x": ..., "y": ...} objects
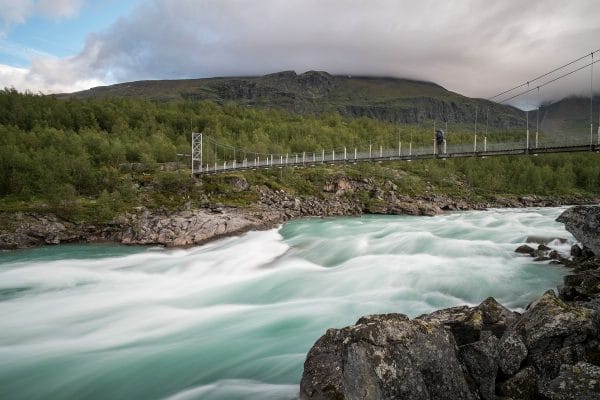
[{"x": 532, "y": 142}]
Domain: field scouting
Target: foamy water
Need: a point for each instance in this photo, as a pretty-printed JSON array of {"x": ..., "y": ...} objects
[{"x": 234, "y": 319}]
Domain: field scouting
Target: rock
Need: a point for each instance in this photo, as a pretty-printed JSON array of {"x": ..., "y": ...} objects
[
  {"x": 576, "y": 251},
  {"x": 238, "y": 183},
  {"x": 462, "y": 352},
  {"x": 525, "y": 249},
  {"x": 451, "y": 353},
  {"x": 522, "y": 386},
  {"x": 468, "y": 323},
  {"x": 543, "y": 247},
  {"x": 555, "y": 333},
  {"x": 574, "y": 382},
  {"x": 385, "y": 357},
  {"x": 543, "y": 239},
  {"x": 191, "y": 227},
  {"x": 36, "y": 229},
  {"x": 511, "y": 353},
  {"x": 481, "y": 360},
  {"x": 584, "y": 223}
]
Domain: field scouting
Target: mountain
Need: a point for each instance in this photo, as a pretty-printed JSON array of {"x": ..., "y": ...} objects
[
  {"x": 389, "y": 99},
  {"x": 569, "y": 116}
]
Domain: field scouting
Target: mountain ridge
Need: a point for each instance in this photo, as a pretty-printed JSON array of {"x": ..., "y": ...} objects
[{"x": 399, "y": 100}]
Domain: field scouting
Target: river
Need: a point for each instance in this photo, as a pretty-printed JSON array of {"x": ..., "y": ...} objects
[{"x": 234, "y": 319}]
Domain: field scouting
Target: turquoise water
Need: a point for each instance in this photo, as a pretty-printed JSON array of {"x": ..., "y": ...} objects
[{"x": 234, "y": 319}]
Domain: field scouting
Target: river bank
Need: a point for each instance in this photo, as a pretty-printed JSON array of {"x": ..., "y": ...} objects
[{"x": 340, "y": 196}]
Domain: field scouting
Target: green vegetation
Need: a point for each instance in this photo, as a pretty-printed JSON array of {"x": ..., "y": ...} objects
[{"x": 91, "y": 159}]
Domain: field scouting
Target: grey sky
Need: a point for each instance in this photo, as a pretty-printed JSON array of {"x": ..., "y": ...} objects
[{"x": 475, "y": 47}]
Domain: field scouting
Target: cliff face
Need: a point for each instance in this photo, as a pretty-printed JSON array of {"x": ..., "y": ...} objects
[{"x": 551, "y": 351}]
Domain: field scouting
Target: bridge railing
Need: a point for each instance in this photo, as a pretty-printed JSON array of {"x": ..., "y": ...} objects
[{"x": 406, "y": 151}]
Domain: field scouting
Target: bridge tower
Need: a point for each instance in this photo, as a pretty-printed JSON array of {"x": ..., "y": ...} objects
[{"x": 197, "y": 152}]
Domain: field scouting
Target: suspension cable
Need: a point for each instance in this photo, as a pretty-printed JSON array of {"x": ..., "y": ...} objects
[
  {"x": 544, "y": 75},
  {"x": 547, "y": 82}
]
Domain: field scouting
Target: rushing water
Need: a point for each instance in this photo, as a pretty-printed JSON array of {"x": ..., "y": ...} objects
[{"x": 234, "y": 319}]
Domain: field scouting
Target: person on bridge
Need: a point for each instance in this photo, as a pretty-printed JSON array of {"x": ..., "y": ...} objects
[{"x": 439, "y": 139}]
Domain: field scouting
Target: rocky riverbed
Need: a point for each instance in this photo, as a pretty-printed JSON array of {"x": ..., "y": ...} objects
[{"x": 551, "y": 351}]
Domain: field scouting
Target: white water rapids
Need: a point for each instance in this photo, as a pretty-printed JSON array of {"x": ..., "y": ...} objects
[{"x": 234, "y": 319}]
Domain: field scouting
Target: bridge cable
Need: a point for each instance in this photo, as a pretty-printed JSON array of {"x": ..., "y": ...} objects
[
  {"x": 543, "y": 75},
  {"x": 547, "y": 83}
]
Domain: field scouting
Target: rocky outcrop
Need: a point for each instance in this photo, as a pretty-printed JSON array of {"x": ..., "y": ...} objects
[
  {"x": 385, "y": 357},
  {"x": 182, "y": 228},
  {"x": 33, "y": 229},
  {"x": 186, "y": 228},
  {"x": 584, "y": 223},
  {"x": 458, "y": 353}
]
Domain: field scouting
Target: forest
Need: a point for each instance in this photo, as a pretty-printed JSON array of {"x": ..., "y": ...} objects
[{"x": 94, "y": 158}]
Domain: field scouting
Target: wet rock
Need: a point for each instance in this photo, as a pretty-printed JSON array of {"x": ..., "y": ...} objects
[
  {"x": 576, "y": 251},
  {"x": 574, "y": 382},
  {"x": 584, "y": 223},
  {"x": 543, "y": 247},
  {"x": 544, "y": 239},
  {"x": 525, "y": 249}
]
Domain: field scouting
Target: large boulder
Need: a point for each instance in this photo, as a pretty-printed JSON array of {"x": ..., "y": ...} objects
[
  {"x": 385, "y": 357},
  {"x": 584, "y": 223},
  {"x": 574, "y": 382},
  {"x": 448, "y": 354},
  {"x": 554, "y": 333}
]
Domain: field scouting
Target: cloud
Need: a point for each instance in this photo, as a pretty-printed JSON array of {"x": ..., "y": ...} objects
[
  {"x": 14, "y": 12},
  {"x": 59, "y": 8},
  {"x": 475, "y": 47},
  {"x": 51, "y": 81},
  {"x": 18, "y": 11}
]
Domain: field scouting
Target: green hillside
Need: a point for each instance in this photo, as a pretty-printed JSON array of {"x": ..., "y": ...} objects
[
  {"x": 313, "y": 92},
  {"x": 88, "y": 160}
]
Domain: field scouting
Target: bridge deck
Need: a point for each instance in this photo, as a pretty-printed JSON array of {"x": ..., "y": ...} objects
[{"x": 418, "y": 154}]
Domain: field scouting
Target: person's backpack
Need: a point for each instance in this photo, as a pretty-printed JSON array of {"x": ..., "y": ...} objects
[{"x": 439, "y": 136}]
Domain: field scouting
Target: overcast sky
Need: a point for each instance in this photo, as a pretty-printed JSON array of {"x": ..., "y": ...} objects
[{"x": 474, "y": 47}]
